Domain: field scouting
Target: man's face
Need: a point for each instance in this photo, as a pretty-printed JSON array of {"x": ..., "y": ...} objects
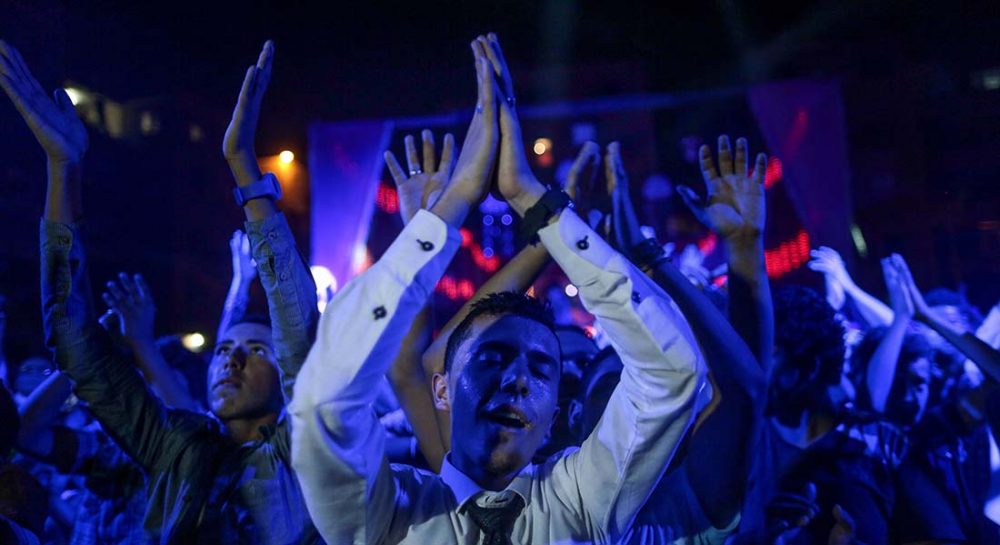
[
  {"x": 243, "y": 380},
  {"x": 33, "y": 372},
  {"x": 910, "y": 391},
  {"x": 503, "y": 388}
]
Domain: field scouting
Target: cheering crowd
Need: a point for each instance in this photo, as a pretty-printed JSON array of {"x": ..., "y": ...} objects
[{"x": 706, "y": 415}]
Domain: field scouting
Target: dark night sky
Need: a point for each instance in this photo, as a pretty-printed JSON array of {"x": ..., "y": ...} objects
[{"x": 906, "y": 69}]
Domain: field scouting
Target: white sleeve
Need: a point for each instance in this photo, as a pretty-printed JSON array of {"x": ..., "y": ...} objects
[
  {"x": 337, "y": 441},
  {"x": 611, "y": 476}
]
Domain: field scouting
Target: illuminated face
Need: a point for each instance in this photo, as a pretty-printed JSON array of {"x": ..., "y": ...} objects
[
  {"x": 910, "y": 392},
  {"x": 502, "y": 393},
  {"x": 243, "y": 380}
]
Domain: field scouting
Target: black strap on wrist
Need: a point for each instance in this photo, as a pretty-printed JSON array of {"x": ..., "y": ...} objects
[
  {"x": 539, "y": 214},
  {"x": 647, "y": 254}
]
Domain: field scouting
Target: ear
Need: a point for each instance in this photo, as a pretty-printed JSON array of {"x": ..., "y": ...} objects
[
  {"x": 575, "y": 417},
  {"x": 439, "y": 387}
]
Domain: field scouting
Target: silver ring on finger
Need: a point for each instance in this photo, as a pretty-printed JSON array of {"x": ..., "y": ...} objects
[
  {"x": 511, "y": 101},
  {"x": 479, "y": 108},
  {"x": 415, "y": 171}
]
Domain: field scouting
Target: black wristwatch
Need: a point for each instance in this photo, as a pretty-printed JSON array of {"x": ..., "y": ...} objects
[
  {"x": 538, "y": 215},
  {"x": 267, "y": 187}
]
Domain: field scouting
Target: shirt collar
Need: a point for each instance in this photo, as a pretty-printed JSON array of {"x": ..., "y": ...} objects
[{"x": 466, "y": 489}]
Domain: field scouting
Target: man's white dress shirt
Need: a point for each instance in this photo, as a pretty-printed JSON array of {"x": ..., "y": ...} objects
[{"x": 585, "y": 495}]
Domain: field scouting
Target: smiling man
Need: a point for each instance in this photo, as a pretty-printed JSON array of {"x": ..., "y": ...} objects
[{"x": 501, "y": 379}]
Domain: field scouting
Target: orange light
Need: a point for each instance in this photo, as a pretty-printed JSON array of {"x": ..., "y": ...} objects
[
  {"x": 286, "y": 157},
  {"x": 541, "y": 146}
]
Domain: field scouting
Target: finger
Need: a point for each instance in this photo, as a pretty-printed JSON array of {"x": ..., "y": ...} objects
[
  {"x": 740, "y": 161},
  {"x": 264, "y": 63},
  {"x": 707, "y": 164},
  {"x": 588, "y": 153},
  {"x": 395, "y": 170},
  {"x": 116, "y": 292},
  {"x": 447, "y": 156},
  {"x": 62, "y": 100},
  {"x": 245, "y": 93},
  {"x": 725, "y": 156},
  {"x": 428, "y": 140},
  {"x": 491, "y": 55},
  {"x": 244, "y": 244},
  {"x": 412, "y": 159},
  {"x": 109, "y": 300},
  {"x": 478, "y": 63},
  {"x": 760, "y": 168},
  {"x": 128, "y": 286},
  {"x": 614, "y": 168},
  {"x": 487, "y": 92},
  {"x": 142, "y": 288},
  {"x": 810, "y": 492},
  {"x": 506, "y": 76}
]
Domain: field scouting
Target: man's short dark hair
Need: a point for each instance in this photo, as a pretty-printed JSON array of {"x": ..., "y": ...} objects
[
  {"x": 498, "y": 304},
  {"x": 807, "y": 332},
  {"x": 940, "y": 297}
]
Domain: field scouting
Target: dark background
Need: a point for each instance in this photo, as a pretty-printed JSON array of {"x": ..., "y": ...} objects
[{"x": 923, "y": 119}]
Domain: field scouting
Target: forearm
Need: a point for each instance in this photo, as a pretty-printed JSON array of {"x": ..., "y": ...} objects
[
  {"x": 979, "y": 352},
  {"x": 63, "y": 200},
  {"x": 160, "y": 377},
  {"x": 412, "y": 389},
  {"x": 235, "y": 306},
  {"x": 750, "y": 307},
  {"x": 882, "y": 367},
  {"x": 719, "y": 483},
  {"x": 40, "y": 413},
  {"x": 735, "y": 371},
  {"x": 875, "y": 312}
]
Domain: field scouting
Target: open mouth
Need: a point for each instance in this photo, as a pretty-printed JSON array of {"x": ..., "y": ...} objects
[
  {"x": 507, "y": 416},
  {"x": 227, "y": 381}
]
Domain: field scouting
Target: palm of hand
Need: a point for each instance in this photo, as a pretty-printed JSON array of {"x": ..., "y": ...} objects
[
  {"x": 60, "y": 131},
  {"x": 735, "y": 206},
  {"x": 137, "y": 320}
]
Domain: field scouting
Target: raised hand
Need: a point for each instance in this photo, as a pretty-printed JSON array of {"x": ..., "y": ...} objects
[
  {"x": 626, "y": 221},
  {"x": 425, "y": 182},
  {"x": 470, "y": 179},
  {"x": 921, "y": 310},
  {"x": 827, "y": 261},
  {"x": 131, "y": 299},
  {"x": 515, "y": 181},
  {"x": 735, "y": 205},
  {"x": 899, "y": 296},
  {"x": 54, "y": 122},
  {"x": 238, "y": 144},
  {"x": 244, "y": 267}
]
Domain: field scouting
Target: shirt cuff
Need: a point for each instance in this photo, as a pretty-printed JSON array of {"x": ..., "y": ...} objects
[{"x": 425, "y": 239}]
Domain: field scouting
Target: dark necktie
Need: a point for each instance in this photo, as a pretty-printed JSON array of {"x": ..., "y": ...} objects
[{"x": 496, "y": 523}]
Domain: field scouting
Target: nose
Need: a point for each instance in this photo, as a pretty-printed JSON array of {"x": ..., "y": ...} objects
[
  {"x": 237, "y": 359},
  {"x": 515, "y": 378}
]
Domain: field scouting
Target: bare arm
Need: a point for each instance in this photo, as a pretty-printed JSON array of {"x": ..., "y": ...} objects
[
  {"x": 419, "y": 189},
  {"x": 39, "y": 415},
  {"x": 882, "y": 367},
  {"x": 244, "y": 273},
  {"x": 828, "y": 262},
  {"x": 974, "y": 348},
  {"x": 735, "y": 209},
  {"x": 719, "y": 453},
  {"x": 132, "y": 301}
]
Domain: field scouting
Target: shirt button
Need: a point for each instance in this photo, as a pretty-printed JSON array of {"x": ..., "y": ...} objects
[
  {"x": 635, "y": 296},
  {"x": 426, "y": 245},
  {"x": 582, "y": 243},
  {"x": 283, "y": 276},
  {"x": 379, "y": 312},
  {"x": 272, "y": 235}
]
